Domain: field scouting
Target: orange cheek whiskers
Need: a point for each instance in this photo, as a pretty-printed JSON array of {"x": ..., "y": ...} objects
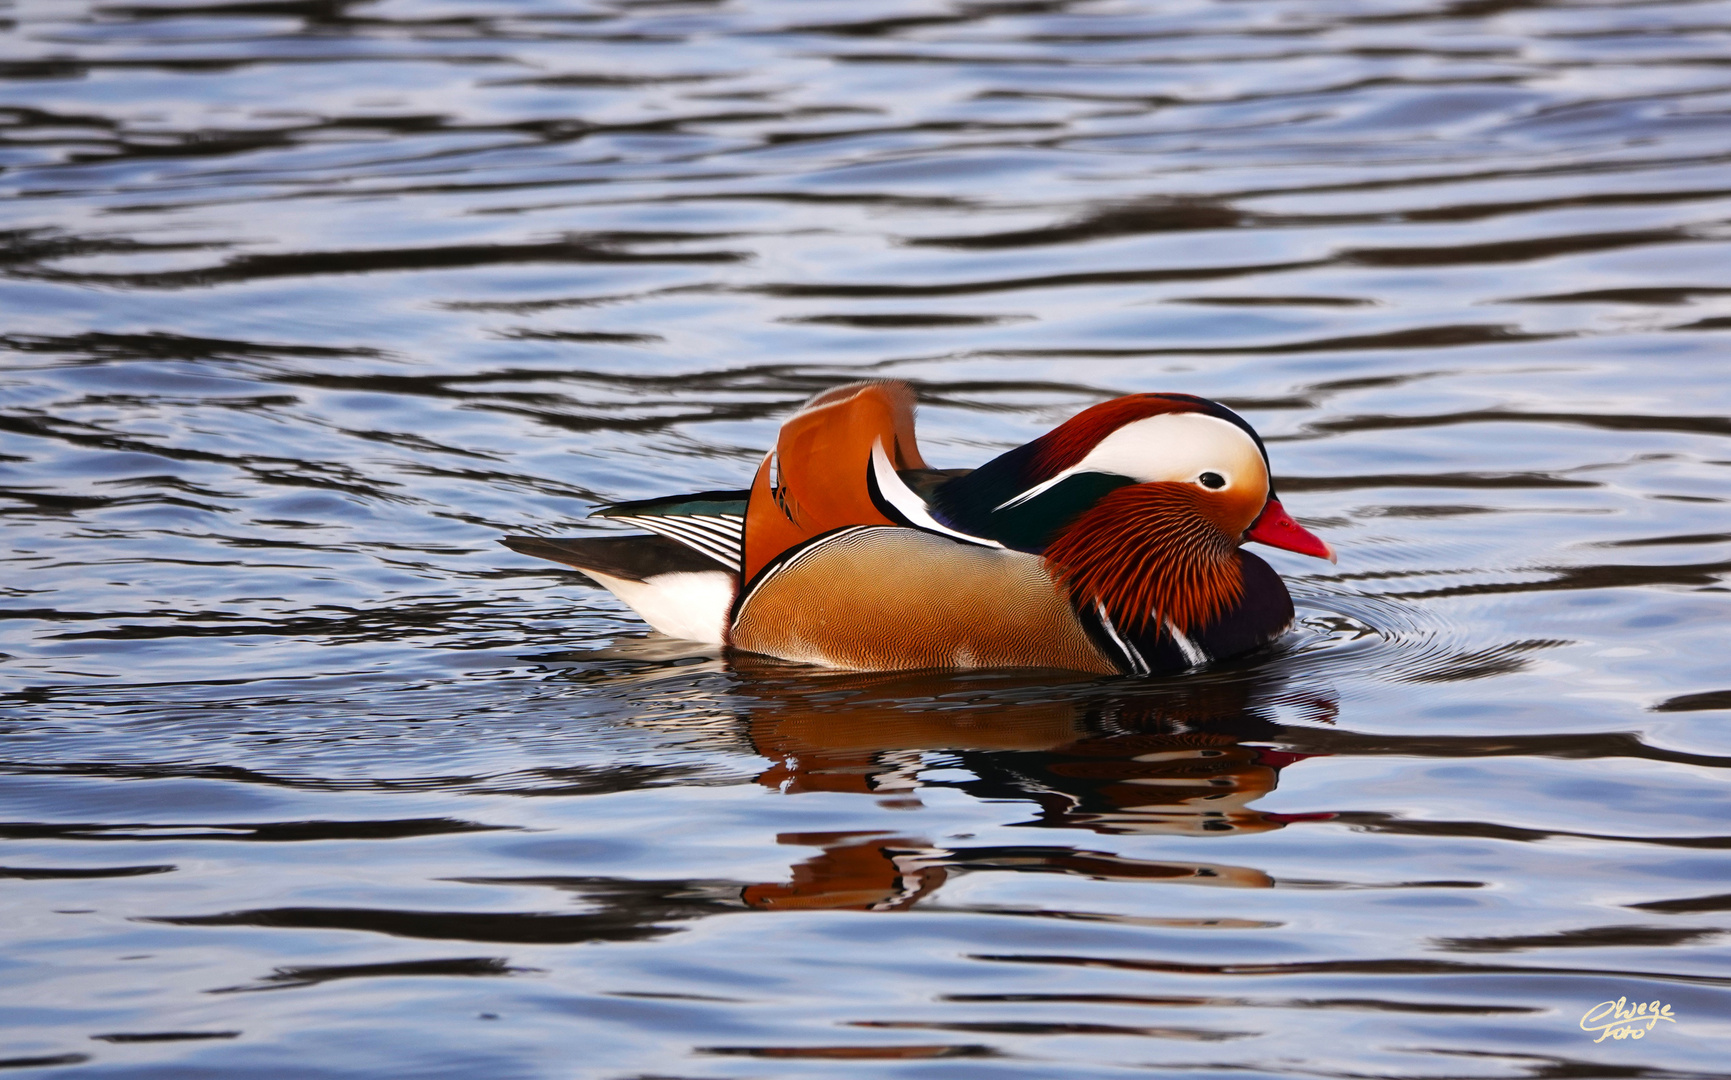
[{"x": 1150, "y": 551}]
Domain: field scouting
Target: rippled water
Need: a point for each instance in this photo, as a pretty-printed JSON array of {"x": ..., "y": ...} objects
[{"x": 306, "y": 302}]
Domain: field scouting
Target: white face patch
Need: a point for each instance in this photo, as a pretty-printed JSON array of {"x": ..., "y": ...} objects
[
  {"x": 1175, "y": 448},
  {"x": 1180, "y": 447}
]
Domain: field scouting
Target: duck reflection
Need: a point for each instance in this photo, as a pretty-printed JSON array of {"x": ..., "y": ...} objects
[
  {"x": 1174, "y": 760},
  {"x": 886, "y": 872},
  {"x": 864, "y": 871},
  {"x": 1184, "y": 758}
]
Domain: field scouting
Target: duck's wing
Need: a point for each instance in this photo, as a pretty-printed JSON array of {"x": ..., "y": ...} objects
[
  {"x": 846, "y": 459},
  {"x": 709, "y": 522},
  {"x": 628, "y": 558}
]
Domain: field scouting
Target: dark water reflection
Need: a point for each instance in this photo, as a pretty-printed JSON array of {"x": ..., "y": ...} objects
[{"x": 306, "y": 303}]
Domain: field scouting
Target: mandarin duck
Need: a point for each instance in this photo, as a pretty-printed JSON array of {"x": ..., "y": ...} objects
[{"x": 1111, "y": 544}]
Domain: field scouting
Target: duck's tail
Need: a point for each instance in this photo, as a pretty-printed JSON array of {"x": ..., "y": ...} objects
[{"x": 678, "y": 589}]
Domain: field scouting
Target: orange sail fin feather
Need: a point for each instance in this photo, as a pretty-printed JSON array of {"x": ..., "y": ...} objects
[
  {"x": 1113, "y": 544},
  {"x": 814, "y": 481}
]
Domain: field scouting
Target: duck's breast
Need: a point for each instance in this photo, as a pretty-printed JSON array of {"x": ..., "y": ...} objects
[{"x": 1262, "y": 613}]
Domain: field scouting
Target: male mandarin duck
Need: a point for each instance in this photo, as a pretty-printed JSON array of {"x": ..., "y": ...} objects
[{"x": 1111, "y": 544}]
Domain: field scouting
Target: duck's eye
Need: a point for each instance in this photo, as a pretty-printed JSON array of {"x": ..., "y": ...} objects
[{"x": 1212, "y": 481}]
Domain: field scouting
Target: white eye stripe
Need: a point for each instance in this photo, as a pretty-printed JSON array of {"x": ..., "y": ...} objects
[
  {"x": 1172, "y": 447},
  {"x": 1178, "y": 447}
]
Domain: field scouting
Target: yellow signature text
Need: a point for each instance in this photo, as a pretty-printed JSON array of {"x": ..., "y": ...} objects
[{"x": 1623, "y": 1019}]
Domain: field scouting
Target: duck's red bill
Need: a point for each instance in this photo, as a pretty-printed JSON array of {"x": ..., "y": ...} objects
[{"x": 1276, "y": 528}]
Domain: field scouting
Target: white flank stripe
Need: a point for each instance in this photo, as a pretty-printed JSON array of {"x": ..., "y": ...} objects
[
  {"x": 1192, "y": 652},
  {"x": 1138, "y": 666}
]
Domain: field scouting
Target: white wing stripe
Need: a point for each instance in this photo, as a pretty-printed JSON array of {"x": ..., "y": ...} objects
[
  {"x": 728, "y": 523},
  {"x": 1192, "y": 652},
  {"x": 680, "y": 530},
  {"x": 702, "y": 543},
  {"x": 723, "y": 547}
]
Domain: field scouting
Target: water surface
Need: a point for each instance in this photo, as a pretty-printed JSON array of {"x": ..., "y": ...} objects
[{"x": 304, "y": 303}]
